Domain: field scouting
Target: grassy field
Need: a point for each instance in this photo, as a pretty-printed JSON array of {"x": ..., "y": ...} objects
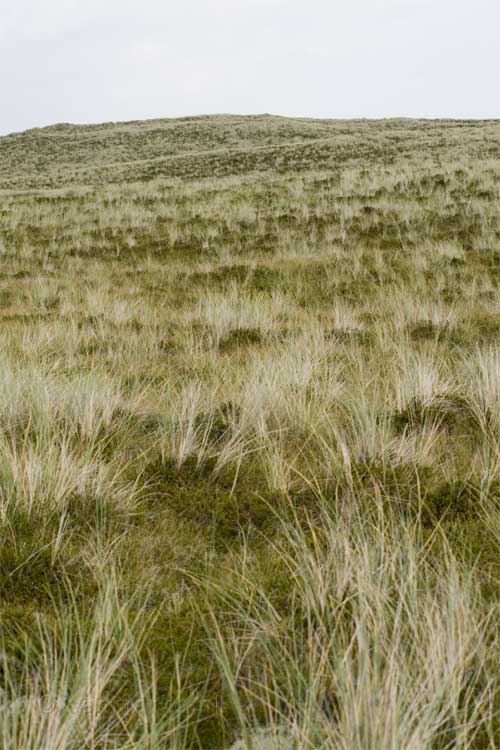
[{"x": 250, "y": 435}]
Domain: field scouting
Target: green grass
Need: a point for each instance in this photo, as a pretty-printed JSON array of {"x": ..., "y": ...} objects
[{"x": 250, "y": 435}]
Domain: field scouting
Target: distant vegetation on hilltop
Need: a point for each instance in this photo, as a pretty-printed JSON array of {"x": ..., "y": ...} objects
[{"x": 220, "y": 146}]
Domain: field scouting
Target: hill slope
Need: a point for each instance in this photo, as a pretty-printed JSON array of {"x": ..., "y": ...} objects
[
  {"x": 250, "y": 435},
  {"x": 222, "y": 145}
]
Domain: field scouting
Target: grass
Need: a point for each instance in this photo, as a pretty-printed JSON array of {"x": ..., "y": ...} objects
[{"x": 250, "y": 435}]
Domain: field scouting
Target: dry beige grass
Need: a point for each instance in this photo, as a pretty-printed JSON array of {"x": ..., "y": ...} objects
[{"x": 249, "y": 436}]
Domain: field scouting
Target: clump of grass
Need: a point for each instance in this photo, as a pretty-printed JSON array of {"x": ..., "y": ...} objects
[
  {"x": 75, "y": 679},
  {"x": 375, "y": 644}
]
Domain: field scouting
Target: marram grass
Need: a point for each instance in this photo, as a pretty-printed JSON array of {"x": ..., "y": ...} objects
[{"x": 250, "y": 436}]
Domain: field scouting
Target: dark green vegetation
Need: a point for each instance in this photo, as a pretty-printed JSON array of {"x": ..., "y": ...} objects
[{"x": 250, "y": 435}]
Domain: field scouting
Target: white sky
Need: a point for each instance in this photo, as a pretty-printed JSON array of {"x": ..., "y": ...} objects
[{"x": 102, "y": 60}]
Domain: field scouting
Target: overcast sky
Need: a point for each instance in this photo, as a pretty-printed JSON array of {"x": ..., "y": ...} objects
[{"x": 101, "y": 60}]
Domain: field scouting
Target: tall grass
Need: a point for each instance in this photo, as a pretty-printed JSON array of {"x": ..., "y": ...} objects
[
  {"x": 383, "y": 643},
  {"x": 249, "y": 437}
]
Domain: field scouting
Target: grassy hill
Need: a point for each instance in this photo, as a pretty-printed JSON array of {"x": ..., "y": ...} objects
[
  {"x": 220, "y": 146},
  {"x": 250, "y": 435}
]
